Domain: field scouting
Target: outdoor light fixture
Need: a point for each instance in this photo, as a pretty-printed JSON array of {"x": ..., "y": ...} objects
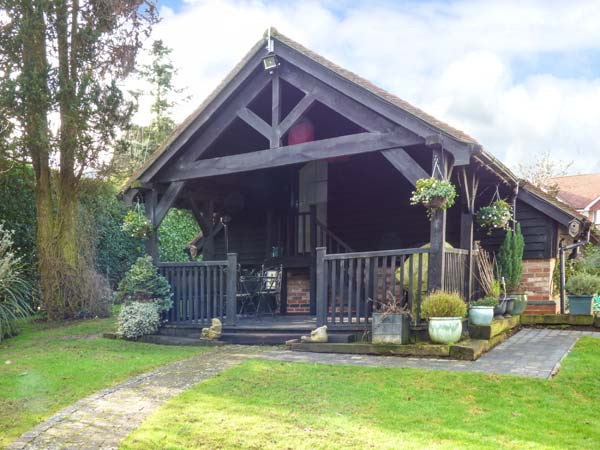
[
  {"x": 270, "y": 62},
  {"x": 225, "y": 221}
]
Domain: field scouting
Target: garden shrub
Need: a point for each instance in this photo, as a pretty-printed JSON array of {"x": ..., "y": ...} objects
[
  {"x": 510, "y": 258},
  {"x": 15, "y": 290},
  {"x": 583, "y": 284},
  {"x": 143, "y": 283},
  {"x": 443, "y": 304},
  {"x": 138, "y": 319},
  {"x": 177, "y": 229}
]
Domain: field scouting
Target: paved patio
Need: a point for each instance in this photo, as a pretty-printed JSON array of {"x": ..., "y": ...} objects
[
  {"x": 104, "y": 419},
  {"x": 529, "y": 353}
]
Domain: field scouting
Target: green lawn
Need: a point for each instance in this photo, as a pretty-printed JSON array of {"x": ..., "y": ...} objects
[
  {"x": 49, "y": 366},
  {"x": 264, "y": 404}
]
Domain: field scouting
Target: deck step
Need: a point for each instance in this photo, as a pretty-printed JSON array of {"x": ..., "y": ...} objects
[
  {"x": 268, "y": 338},
  {"x": 178, "y": 340}
]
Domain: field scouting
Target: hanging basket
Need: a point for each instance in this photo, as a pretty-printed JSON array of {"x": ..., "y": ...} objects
[
  {"x": 496, "y": 216},
  {"x": 136, "y": 224},
  {"x": 436, "y": 202},
  {"x": 434, "y": 194}
]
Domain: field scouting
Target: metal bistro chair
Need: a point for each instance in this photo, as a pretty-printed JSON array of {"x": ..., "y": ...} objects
[
  {"x": 270, "y": 288},
  {"x": 249, "y": 285}
]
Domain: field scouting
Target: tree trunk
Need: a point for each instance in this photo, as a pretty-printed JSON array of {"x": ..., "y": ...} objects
[{"x": 36, "y": 135}]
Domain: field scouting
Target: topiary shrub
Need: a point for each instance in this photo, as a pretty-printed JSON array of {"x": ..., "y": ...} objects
[
  {"x": 138, "y": 319},
  {"x": 443, "y": 304},
  {"x": 583, "y": 285},
  {"x": 143, "y": 283}
]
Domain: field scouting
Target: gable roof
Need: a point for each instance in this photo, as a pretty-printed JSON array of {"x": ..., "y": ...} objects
[
  {"x": 557, "y": 210},
  {"x": 579, "y": 191},
  {"x": 436, "y": 125}
]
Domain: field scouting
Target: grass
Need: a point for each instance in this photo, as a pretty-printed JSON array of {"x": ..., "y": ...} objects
[
  {"x": 49, "y": 366},
  {"x": 263, "y": 404}
]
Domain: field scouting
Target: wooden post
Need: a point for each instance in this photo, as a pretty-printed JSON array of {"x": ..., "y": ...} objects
[
  {"x": 435, "y": 279},
  {"x": 275, "y": 140},
  {"x": 269, "y": 235},
  {"x": 470, "y": 185},
  {"x": 231, "y": 288},
  {"x": 313, "y": 229},
  {"x": 151, "y": 243},
  {"x": 466, "y": 242},
  {"x": 321, "y": 288}
]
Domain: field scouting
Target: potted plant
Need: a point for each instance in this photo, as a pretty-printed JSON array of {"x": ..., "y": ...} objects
[
  {"x": 488, "y": 282},
  {"x": 434, "y": 194},
  {"x": 136, "y": 224},
  {"x": 481, "y": 312},
  {"x": 391, "y": 322},
  {"x": 510, "y": 266},
  {"x": 495, "y": 216},
  {"x": 445, "y": 312},
  {"x": 582, "y": 288}
]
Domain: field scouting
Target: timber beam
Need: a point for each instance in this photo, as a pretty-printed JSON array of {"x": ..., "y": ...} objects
[
  {"x": 292, "y": 154},
  {"x": 461, "y": 149},
  {"x": 405, "y": 164}
]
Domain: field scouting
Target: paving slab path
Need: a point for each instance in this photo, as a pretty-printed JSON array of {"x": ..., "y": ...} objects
[
  {"x": 530, "y": 353},
  {"x": 102, "y": 420}
]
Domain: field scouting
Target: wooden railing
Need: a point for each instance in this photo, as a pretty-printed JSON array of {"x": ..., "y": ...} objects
[
  {"x": 326, "y": 238},
  {"x": 202, "y": 291},
  {"x": 351, "y": 285},
  {"x": 299, "y": 234},
  {"x": 457, "y": 274}
]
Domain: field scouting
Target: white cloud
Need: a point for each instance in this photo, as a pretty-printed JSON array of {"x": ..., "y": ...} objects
[{"x": 458, "y": 61}]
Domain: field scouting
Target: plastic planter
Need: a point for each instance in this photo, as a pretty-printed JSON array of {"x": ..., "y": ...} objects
[
  {"x": 481, "y": 315},
  {"x": 390, "y": 328},
  {"x": 445, "y": 330},
  {"x": 580, "y": 305}
]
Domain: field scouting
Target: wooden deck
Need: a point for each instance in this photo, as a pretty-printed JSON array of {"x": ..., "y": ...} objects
[{"x": 263, "y": 330}]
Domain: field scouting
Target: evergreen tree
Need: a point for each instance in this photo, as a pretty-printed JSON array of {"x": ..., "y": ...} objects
[
  {"x": 143, "y": 140},
  {"x": 63, "y": 58}
]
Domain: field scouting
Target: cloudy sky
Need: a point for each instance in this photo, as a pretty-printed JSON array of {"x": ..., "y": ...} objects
[{"x": 522, "y": 77}]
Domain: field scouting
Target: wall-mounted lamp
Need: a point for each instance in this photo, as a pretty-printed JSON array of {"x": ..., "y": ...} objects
[{"x": 270, "y": 62}]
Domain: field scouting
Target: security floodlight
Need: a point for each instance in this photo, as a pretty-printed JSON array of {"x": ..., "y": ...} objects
[{"x": 270, "y": 62}]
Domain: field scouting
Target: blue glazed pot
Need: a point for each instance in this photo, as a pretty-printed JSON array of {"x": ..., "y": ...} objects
[
  {"x": 580, "y": 306},
  {"x": 481, "y": 315},
  {"x": 445, "y": 330},
  {"x": 520, "y": 304}
]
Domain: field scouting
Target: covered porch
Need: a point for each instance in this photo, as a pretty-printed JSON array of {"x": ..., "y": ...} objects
[{"x": 309, "y": 170}]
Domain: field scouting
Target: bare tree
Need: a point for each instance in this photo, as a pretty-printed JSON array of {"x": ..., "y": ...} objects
[{"x": 543, "y": 170}]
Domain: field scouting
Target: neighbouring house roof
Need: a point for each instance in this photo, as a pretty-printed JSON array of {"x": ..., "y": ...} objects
[
  {"x": 581, "y": 192},
  {"x": 557, "y": 204}
]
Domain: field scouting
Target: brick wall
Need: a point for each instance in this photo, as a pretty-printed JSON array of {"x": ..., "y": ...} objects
[
  {"x": 537, "y": 283},
  {"x": 298, "y": 291}
]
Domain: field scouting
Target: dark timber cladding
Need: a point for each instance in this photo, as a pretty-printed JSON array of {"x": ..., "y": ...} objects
[{"x": 331, "y": 207}]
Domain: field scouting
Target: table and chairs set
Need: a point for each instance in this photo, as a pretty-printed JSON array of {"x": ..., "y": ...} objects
[{"x": 259, "y": 291}]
